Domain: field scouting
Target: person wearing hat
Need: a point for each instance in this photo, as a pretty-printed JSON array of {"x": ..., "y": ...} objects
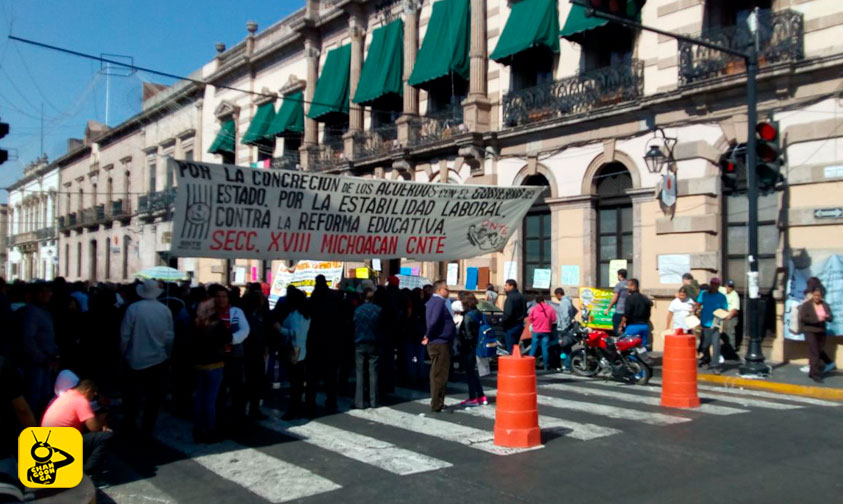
[
  {"x": 730, "y": 323},
  {"x": 711, "y": 300},
  {"x": 146, "y": 342}
]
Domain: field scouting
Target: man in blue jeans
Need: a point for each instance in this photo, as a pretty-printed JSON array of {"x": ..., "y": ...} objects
[
  {"x": 636, "y": 315},
  {"x": 711, "y": 300},
  {"x": 618, "y": 301},
  {"x": 514, "y": 311}
]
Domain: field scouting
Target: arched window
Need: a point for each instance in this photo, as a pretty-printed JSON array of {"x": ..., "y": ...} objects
[
  {"x": 614, "y": 219},
  {"x": 536, "y": 233}
]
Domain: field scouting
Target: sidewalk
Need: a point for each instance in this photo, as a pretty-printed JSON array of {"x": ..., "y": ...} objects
[{"x": 785, "y": 379}]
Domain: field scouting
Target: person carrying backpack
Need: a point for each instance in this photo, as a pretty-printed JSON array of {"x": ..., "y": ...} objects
[{"x": 469, "y": 335}]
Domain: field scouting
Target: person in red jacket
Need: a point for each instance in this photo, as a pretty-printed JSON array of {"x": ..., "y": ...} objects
[{"x": 542, "y": 317}]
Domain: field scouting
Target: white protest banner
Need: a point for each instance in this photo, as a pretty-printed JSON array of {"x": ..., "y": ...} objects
[
  {"x": 233, "y": 212},
  {"x": 672, "y": 267},
  {"x": 303, "y": 277}
]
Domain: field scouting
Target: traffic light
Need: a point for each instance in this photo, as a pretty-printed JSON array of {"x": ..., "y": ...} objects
[
  {"x": 622, "y": 8},
  {"x": 769, "y": 155},
  {"x": 733, "y": 168},
  {"x": 4, "y": 130}
]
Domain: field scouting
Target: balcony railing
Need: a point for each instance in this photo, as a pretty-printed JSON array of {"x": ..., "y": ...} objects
[
  {"x": 587, "y": 91},
  {"x": 89, "y": 217},
  {"x": 328, "y": 156},
  {"x": 22, "y": 238},
  {"x": 286, "y": 162},
  {"x": 376, "y": 142},
  {"x": 437, "y": 126},
  {"x": 117, "y": 209},
  {"x": 781, "y": 37},
  {"x": 156, "y": 201},
  {"x": 45, "y": 233}
]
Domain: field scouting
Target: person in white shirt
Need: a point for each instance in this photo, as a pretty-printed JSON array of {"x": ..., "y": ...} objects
[
  {"x": 146, "y": 342},
  {"x": 678, "y": 311},
  {"x": 730, "y": 323}
]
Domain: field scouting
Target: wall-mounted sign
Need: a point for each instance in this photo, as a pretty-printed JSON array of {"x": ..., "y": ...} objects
[{"x": 828, "y": 213}]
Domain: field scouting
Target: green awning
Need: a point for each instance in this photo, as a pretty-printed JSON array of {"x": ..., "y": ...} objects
[
  {"x": 578, "y": 23},
  {"x": 290, "y": 117},
  {"x": 445, "y": 46},
  {"x": 257, "y": 128},
  {"x": 531, "y": 23},
  {"x": 331, "y": 95},
  {"x": 224, "y": 142},
  {"x": 383, "y": 70}
]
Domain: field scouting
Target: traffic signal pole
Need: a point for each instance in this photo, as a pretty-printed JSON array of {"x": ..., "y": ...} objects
[{"x": 754, "y": 359}]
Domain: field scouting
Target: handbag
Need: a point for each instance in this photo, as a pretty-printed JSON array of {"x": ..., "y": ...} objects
[{"x": 527, "y": 333}]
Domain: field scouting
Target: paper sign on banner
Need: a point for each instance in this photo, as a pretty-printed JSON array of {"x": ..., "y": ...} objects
[
  {"x": 239, "y": 274},
  {"x": 376, "y": 264},
  {"x": 415, "y": 271},
  {"x": 405, "y": 270},
  {"x": 672, "y": 267},
  {"x": 303, "y": 277},
  {"x": 471, "y": 275},
  {"x": 616, "y": 265},
  {"x": 597, "y": 300},
  {"x": 361, "y": 273},
  {"x": 453, "y": 273},
  {"x": 541, "y": 278},
  {"x": 510, "y": 270},
  {"x": 232, "y": 212},
  {"x": 570, "y": 274}
]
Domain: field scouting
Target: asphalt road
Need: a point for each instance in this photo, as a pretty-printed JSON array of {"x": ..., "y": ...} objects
[{"x": 602, "y": 442}]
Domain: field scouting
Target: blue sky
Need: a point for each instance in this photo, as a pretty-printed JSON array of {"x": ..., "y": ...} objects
[{"x": 175, "y": 36}]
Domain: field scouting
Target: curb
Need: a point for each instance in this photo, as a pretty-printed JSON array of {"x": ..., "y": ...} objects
[{"x": 834, "y": 394}]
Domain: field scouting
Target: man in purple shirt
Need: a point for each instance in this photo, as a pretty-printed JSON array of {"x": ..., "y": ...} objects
[{"x": 440, "y": 333}]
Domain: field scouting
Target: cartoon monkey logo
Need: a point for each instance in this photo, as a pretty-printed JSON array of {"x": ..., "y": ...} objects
[
  {"x": 484, "y": 239},
  {"x": 44, "y": 470}
]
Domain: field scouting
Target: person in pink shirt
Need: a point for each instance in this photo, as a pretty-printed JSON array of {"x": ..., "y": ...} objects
[
  {"x": 73, "y": 409},
  {"x": 813, "y": 315},
  {"x": 542, "y": 317}
]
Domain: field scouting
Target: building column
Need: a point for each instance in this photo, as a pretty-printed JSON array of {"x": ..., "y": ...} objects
[
  {"x": 411, "y": 48},
  {"x": 477, "y": 107},
  {"x": 311, "y": 127},
  {"x": 355, "y": 112}
]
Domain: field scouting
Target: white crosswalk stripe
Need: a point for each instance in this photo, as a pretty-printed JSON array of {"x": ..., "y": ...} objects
[
  {"x": 371, "y": 451},
  {"x": 606, "y": 410},
  {"x": 273, "y": 479},
  {"x": 766, "y": 395},
  {"x": 441, "y": 429},
  {"x": 743, "y": 401},
  {"x": 616, "y": 395},
  {"x": 581, "y": 431}
]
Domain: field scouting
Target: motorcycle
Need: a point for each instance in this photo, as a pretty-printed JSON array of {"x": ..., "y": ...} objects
[{"x": 603, "y": 355}]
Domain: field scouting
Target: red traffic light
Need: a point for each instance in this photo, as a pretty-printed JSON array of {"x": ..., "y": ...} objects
[
  {"x": 766, "y": 131},
  {"x": 767, "y": 153},
  {"x": 730, "y": 167}
]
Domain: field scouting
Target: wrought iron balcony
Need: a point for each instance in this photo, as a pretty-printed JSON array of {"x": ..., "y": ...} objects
[
  {"x": 23, "y": 238},
  {"x": 376, "y": 142},
  {"x": 781, "y": 39},
  {"x": 45, "y": 233},
  {"x": 117, "y": 210},
  {"x": 89, "y": 217},
  {"x": 99, "y": 211},
  {"x": 60, "y": 221},
  {"x": 143, "y": 204},
  {"x": 329, "y": 156},
  {"x": 72, "y": 220},
  {"x": 158, "y": 201},
  {"x": 289, "y": 161},
  {"x": 585, "y": 92},
  {"x": 437, "y": 126}
]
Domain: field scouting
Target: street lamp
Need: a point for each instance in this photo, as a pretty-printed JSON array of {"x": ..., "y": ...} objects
[{"x": 655, "y": 158}]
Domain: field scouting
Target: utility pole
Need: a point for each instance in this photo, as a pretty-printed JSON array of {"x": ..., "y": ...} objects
[{"x": 754, "y": 359}]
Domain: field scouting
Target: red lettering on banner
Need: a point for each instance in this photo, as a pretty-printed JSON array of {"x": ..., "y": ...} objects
[
  {"x": 423, "y": 245},
  {"x": 233, "y": 240},
  {"x": 273, "y": 247}
]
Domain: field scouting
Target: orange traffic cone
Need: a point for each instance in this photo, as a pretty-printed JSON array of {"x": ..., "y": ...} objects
[
  {"x": 516, "y": 413},
  {"x": 679, "y": 371}
]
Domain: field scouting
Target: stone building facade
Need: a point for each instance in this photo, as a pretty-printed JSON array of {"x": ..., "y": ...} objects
[
  {"x": 502, "y": 92},
  {"x": 30, "y": 231}
]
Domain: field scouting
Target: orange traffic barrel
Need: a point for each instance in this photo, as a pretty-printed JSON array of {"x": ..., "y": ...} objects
[
  {"x": 517, "y": 413},
  {"x": 679, "y": 371}
]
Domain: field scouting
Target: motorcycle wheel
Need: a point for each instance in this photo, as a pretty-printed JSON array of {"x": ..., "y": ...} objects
[
  {"x": 583, "y": 364},
  {"x": 641, "y": 372}
]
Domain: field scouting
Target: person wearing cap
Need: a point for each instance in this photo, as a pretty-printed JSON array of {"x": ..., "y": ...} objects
[
  {"x": 730, "y": 323},
  {"x": 711, "y": 300},
  {"x": 146, "y": 343}
]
